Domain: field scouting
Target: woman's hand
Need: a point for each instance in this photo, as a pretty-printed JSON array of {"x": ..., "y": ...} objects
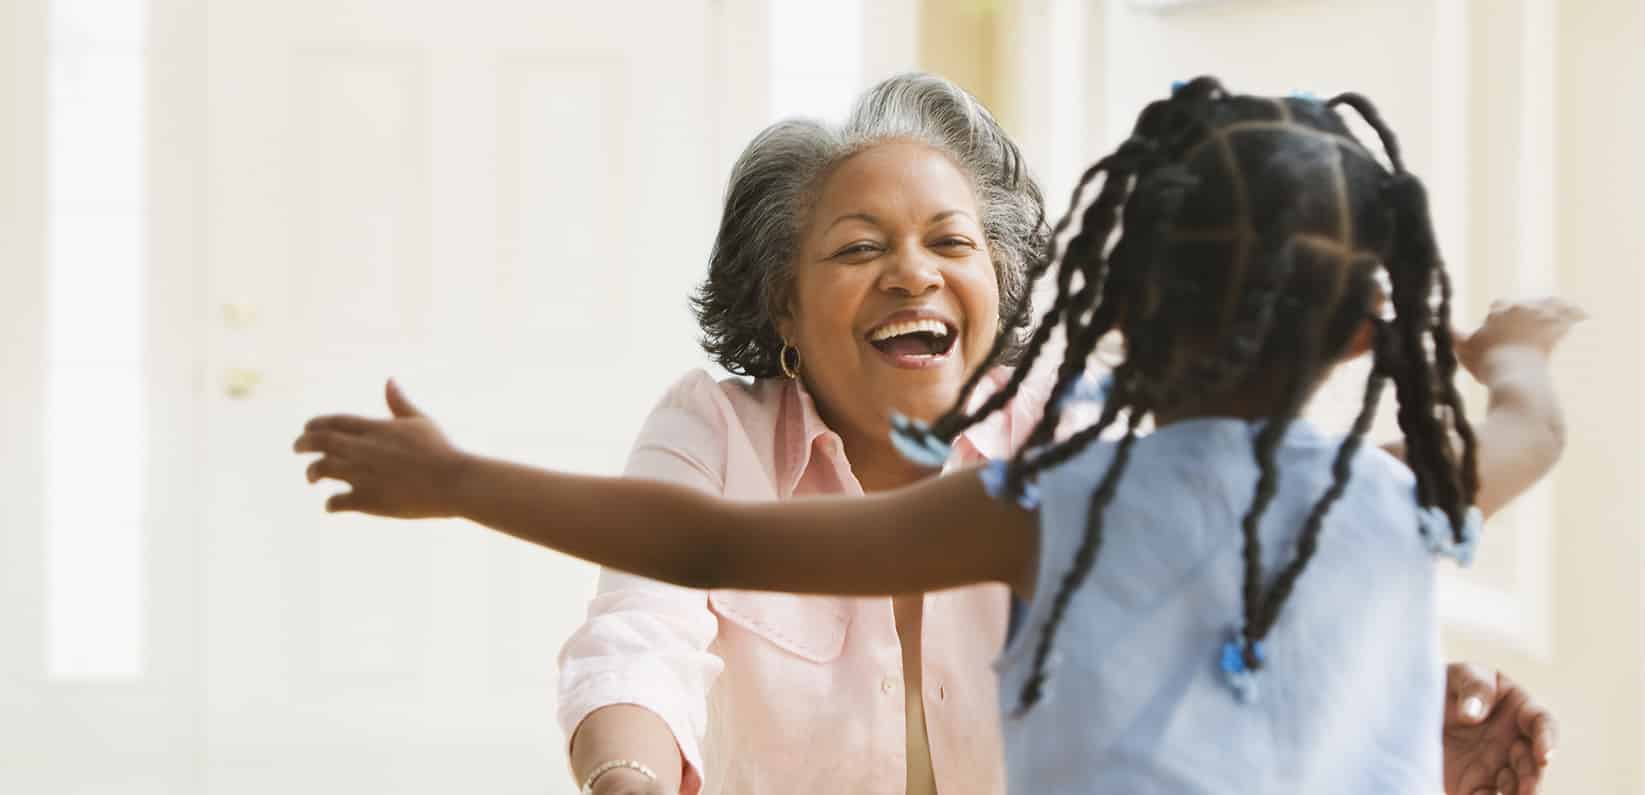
[
  {"x": 401, "y": 467},
  {"x": 1497, "y": 740},
  {"x": 1523, "y": 326}
]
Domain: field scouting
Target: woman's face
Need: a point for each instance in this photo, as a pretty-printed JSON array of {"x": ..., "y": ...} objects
[{"x": 894, "y": 298}]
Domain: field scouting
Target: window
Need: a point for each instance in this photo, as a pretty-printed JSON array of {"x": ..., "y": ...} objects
[{"x": 94, "y": 338}]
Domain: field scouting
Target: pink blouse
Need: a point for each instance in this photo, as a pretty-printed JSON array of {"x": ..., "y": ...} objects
[{"x": 769, "y": 692}]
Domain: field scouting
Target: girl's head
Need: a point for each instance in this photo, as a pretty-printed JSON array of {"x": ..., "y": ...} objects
[
  {"x": 1256, "y": 255},
  {"x": 916, "y": 210},
  {"x": 1261, "y": 243}
]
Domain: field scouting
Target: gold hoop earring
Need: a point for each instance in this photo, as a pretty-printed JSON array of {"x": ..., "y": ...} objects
[{"x": 791, "y": 371}]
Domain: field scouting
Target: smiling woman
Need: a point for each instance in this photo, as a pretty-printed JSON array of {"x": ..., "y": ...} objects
[
  {"x": 859, "y": 271},
  {"x": 894, "y": 298}
]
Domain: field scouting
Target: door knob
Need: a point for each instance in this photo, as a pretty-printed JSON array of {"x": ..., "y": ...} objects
[
  {"x": 239, "y": 383},
  {"x": 239, "y": 316}
]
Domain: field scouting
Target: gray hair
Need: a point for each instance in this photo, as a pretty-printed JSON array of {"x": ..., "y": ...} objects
[{"x": 771, "y": 187}]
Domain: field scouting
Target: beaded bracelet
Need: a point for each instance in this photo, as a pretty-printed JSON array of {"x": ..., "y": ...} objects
[{"x": 607, "y": 767}]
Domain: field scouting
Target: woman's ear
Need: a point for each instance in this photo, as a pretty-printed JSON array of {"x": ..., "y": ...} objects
[{"x": 783, "y": 322}]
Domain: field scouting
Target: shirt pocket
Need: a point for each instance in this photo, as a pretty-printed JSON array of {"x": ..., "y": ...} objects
[{"x": 810, "y": 627}]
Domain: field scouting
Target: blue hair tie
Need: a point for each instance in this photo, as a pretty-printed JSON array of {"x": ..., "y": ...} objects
[
  {"x": 1308, "y": 95},
  {"x": 1093, "y": 390},
  {"x": 1178, "y": 85},
  {"x": 915, "y": 441},
  {"x": 1239, "y": 677},
  {"x": 1436, "y": 531},
  {"x": 993, "y": 481}
]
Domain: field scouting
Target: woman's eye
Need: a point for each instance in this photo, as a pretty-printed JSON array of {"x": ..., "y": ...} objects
[
  {"x": 955, "y": 242},
  {"x": 856, "y": 250}
]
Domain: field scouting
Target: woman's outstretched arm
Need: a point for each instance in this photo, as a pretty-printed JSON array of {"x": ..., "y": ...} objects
[{"x": 940, "y": 533}]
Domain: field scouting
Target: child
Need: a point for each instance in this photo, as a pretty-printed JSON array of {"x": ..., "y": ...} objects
[{"x": 1261, "y": 245}]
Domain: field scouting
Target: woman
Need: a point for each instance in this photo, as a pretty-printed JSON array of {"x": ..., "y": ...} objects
[
  {"x": 930, "y": 212},
  {"x": 858, "y": 271}
]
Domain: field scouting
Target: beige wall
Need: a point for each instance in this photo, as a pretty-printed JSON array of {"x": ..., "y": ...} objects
[
  {"x": 1526, "y": 117},
  {"x": 957, "y": 39},
  {"x": 1593, "y": 676},
  {"x": 23, "y": 83}
]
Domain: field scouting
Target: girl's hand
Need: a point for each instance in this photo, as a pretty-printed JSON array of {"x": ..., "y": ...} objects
[
  {"x": 402, "y": 467},
  {"x": 1517, "y": 325}
]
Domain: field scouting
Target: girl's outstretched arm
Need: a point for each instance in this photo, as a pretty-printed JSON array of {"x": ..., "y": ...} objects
[
  {"x": 1523, "y": 432},
  {"x": 940, "y": 533}
]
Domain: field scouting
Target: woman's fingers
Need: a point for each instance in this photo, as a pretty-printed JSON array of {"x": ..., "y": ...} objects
[
  {"x": 1542, "y": 745},
  {"x": 1525, "y": 768},
  {"x": 1471, "y": 692},
  {"x": 1537, "y": 724}
]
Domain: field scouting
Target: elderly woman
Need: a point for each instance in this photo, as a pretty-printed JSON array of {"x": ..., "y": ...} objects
[{"x": 858, "y": 271}]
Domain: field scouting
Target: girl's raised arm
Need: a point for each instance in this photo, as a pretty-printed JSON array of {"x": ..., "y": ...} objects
[
  {"x": 1523, "y": 433},
  {"x": 940, "y": 533}
]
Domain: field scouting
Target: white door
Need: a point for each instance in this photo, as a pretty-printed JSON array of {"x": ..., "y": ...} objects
[{"x": 503, "y": 204}]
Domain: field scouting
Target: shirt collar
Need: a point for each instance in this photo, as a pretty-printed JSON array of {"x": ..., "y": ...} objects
[{"x": 803, "y": 436}]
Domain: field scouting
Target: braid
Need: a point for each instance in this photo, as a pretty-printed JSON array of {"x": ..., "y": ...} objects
[
  {"x": 1265, "y": 445},
  {"x": 1368, "y": 112},
  {"x": 1422, "y": 382},
  {"x": 956, "y": 420},
  {"x": 1147, "y": 222},
  {"x": 1084, "y": 558},
  {"x": 1164, "y": 190},
  {"x": 1301, "y": 373},
  {"x": 1065, "y": 450},
  {"x": 1119, "y": 168},
  {"x": 1340, "y": 470},
  {"x": 1128, "y": 377},
  {"x": 1440, "y": 481},
  {"x": 1073, "y": 364},
  {"x": 1446, "y": 362}
]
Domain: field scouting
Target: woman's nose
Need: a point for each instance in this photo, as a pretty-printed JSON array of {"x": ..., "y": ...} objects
[{"x": 911, "y": 272}]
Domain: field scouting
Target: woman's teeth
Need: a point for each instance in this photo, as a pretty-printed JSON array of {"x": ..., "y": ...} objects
[
  {"x": 915, "y": 339},
  {"x": 885, "y": 332}
]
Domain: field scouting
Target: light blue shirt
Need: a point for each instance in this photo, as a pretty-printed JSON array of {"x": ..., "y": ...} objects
[{"x": 1136, "y": 703}]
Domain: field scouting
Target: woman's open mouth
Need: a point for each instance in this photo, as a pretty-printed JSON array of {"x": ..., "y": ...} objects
[{"x": 914, "y": 344}]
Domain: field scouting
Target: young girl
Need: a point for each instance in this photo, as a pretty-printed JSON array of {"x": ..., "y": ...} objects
[{"x": 1167, "y": 640}]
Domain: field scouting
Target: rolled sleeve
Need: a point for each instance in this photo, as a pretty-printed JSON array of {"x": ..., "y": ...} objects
[{"x": 646, "y": 643}]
